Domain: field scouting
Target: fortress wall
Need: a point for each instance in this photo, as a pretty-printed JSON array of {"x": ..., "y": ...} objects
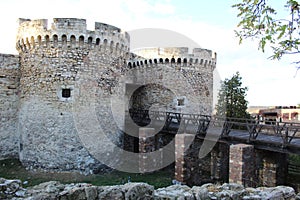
[
  {"x": 66, "y": 82},
  {"x": 195, "y": 85},
  {"x": 9, "y": 85}
]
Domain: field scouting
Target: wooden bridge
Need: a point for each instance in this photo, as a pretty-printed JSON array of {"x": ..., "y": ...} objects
[{"x": 281, "y": 137}]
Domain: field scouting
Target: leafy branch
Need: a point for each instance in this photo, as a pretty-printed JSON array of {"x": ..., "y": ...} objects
[{"x": 259, "y": 20}]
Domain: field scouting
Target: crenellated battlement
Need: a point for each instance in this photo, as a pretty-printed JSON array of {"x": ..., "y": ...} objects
[
  {"x": 70, "y": 33},
  {"x": 179, "y": 56},
  {"x": 183, "y": 62},
  {"x": 175, "y": 52}
]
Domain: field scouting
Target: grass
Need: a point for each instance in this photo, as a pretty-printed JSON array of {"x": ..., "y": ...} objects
[{"x": 13, "y": 169}]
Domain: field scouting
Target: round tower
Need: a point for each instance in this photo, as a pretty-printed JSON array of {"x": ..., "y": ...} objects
[
  {"x": 190, "y": 77},
  {"x": 54, "y": 62}
]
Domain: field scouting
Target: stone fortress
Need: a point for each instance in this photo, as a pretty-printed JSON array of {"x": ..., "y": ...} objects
[{"x": 66, "y": 68}]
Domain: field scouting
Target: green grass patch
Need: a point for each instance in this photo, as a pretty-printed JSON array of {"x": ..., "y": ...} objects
[
  {"x": 295, "y": 159},
  {"x": 13, "y": 169}
]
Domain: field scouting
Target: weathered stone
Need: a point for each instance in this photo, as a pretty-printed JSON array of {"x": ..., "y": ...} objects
[
  {"x": 110, "y": 192},
  {"x": 200, "y": 193},
  {"x": 138, "y": 191},
  {"x": 174, "y": 192},
  {"x": 91, "y": 193},
  {"x": 279, "y": 192}
]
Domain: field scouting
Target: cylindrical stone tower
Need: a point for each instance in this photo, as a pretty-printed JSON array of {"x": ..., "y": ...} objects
[{"x": 53, "y": 63}]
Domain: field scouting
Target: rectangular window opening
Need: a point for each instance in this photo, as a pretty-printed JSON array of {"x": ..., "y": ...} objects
[{"x": 66, "y": 93}]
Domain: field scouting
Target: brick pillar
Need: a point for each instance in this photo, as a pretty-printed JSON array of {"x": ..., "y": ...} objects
[
  {"x": 273, "y": 169},
  {"x": 242, "y": 165},
  {"x": 146, "y": 145},
  {"x": 219, "y": 161},
  {"x": 268, "y": 173},
  {"x": 214, "y": 164},
  {"x": 182, "y": 142}
]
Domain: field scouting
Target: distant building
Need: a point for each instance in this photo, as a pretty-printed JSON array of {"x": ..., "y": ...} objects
[
  {"x": 276, "y": 113},
  {"x": 281, "y": 113}
]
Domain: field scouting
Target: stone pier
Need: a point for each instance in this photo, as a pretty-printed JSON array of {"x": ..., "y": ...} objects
[
  {"x": 242, "y": 166},
  {"x": 182, "y": 143},
  {"x": 147, "y": 143},
  {"x": 219, "y": 161},
  {"x": 272, "y": 168}
]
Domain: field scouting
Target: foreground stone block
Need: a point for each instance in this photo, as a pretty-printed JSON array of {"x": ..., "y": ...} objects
[{"x": 54, "y": 190}]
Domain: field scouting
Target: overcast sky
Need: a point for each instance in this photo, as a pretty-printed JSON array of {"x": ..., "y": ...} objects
[{"x": 209, "y": 23}]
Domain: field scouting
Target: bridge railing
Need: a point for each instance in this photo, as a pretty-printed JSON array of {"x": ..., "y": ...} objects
[
  {"x": 175, "y": 122},
  {"x": 287, "y": 131}
]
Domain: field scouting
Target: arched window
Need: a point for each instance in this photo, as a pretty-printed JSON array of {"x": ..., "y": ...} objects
[
  {"x": 55, "y": 40},
  {"x": 97, "y": 41},
  {"x": 179, "y": 60},
  {"x": 111, "y": 46},
  {"x": 90, "y": 40},
  {"x": 161, "y": 60},
  {"x": 47, "y": 40},
  {"x": 64, "y": 39},
  {"x": 32, "y": 41},
  {"x": 173, "y": 60},
  {"x": 167, "y": 60},
  {"x": 105, "y": 43},
  {"x": 185, "y": 60},
  {"x": 117, "y": 47},
  {"x": 81, "y": 40},
  {"x": 73, "y": 40},
  {"x": 39, "y": 39}
]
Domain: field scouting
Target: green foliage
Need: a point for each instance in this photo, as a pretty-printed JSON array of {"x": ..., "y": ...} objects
[
  {"x": 294, "y": 159},
  {"x": 259, "y": 20},
  {"x": 232, "y": 98}
]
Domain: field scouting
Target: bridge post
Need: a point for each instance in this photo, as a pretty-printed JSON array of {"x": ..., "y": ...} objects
[
  {"x": 219, "y": 161},
  {"x": 182, "y": 143},
  {"x": 147, "y": 144},
  {"x": 273, "y": 168},
  {"x": 242, "y": 165}
]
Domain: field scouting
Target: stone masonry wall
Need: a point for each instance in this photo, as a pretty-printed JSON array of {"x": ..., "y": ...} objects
[
  {"x": 9, "y": 83},
  {"x": 185, "y": 75},
  {"x": 60, "y": 72},
  {"x": 67, "y": 88}
]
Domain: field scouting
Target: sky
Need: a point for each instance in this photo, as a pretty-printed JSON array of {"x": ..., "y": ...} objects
[{"x": 210, "y": 24}]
